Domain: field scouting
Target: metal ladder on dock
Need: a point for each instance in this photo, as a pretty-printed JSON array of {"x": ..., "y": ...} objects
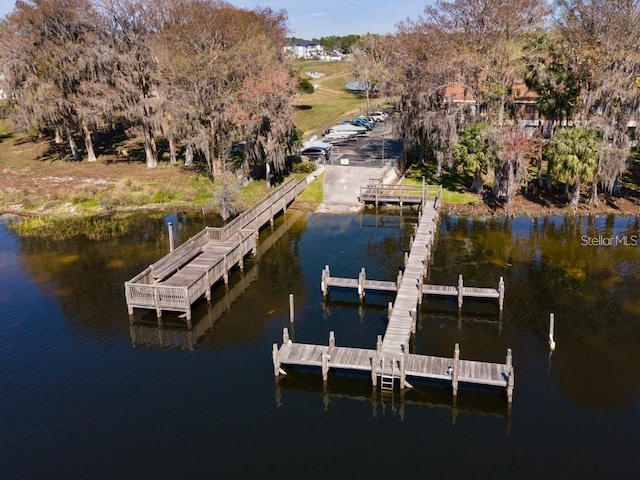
[{"x": 387, "y": 379}]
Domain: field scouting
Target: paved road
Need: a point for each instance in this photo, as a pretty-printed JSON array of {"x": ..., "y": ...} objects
[{"x": 354, "y": 163}]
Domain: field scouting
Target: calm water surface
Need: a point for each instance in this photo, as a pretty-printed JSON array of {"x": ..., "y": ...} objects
[{"x": 84, "y": 394}]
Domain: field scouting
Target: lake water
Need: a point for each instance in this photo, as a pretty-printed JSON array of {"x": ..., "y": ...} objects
[{"x": 84, "y": 394}]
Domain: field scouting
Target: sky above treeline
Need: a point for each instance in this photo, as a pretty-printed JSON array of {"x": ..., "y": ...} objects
[{"x": 310, "y": 19}]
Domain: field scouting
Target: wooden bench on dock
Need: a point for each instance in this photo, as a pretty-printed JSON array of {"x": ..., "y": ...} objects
[{"x": 172, "y": 262}]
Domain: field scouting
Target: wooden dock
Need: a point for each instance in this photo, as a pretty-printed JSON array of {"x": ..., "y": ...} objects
[
  {"x": 187, "y": 273},
  {"x": 175, "y": 335},
  {"x": 398, "y": 194},
  {"x": 390, "y": 363},
  {"x": 362, "y": 284}
]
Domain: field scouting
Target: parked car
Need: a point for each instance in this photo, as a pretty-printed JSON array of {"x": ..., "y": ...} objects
[
  {"x": 362, "y": 123},
  {"x": 379, "y": 116},
  {"x": 316, "y": 152}
]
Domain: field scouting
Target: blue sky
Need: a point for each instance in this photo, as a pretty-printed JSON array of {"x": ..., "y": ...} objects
[{"x": 320, "y": 18}]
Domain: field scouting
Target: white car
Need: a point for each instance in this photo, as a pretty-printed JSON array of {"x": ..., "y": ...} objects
[{"x": 379, "y": 116}]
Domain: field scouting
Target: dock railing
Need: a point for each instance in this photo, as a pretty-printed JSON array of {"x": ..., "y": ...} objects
[{"x": 145, "y": 291}]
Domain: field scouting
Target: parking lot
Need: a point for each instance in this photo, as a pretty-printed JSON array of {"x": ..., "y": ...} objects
[{"x": 378, "y": 147}]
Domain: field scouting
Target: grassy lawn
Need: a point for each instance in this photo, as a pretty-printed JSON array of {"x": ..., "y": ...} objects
[
  {"x": 330, "y": 101},
  {"x": 453, "y": 188}
]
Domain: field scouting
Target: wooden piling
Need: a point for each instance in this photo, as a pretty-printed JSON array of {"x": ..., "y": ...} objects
[
  {"x": 406, "y": 258},
  {"x": 170, "y": 228},
  {"x": 460, "y": 290},
  {"x": 285, "y": 336},
  {"x": 291, "y": 309},
  {"x": 379, "y": 344},
  {"x": 455, "y": 371},
  {"x": 362, "y": 277},
  {"x": 324, "y": 281},
  {"x": 511, "y": 381},
  {"x": 276, "y": 360},
  {"x": 501, "y": 293},
  {"x": 552, "y": 343},
  {"x": 414, "y": 316},
  {"x": 399, "y": 280},
  {"x": 325, "y": 366},
  {"x": 374, "y": 371},
  {"x": 332, "y": 339},
  {"x": 390, "y": 310}
]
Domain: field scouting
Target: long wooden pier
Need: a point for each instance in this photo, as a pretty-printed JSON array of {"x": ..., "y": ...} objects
[
  {"x": 185, "y": 274},
  {"x": 390, "y": 362}
]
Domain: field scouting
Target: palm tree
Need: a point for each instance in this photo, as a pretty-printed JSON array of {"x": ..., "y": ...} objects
[
  {"x": 473, "y": 153},
  {"x": 574, "y": 155}
]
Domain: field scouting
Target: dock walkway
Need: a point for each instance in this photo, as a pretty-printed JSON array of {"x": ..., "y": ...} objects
[
  {"x": 391, "y": 361},
  {"x": 180, "y": 278}
]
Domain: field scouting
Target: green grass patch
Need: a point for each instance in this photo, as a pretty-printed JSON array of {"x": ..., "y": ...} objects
[
  {"x": 57, "y": 228},
  {"x": 253, "y": 192},
  {"x": 453, "y": 187},
  {"x": 314, "y": 193}
]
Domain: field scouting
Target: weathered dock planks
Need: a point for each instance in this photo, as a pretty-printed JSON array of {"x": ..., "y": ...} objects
[
  {"x": 391, "y": 360},
  {"x": 180, "y": 278},
  {"x": 362, "y": 284}
]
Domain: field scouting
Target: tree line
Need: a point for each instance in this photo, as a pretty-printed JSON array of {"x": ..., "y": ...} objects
[
  {"x": 581, "y": 58},
  {"x": 201, "y": 73}
]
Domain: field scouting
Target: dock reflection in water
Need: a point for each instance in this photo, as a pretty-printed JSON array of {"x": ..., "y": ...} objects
[{"x": 482, "y": 402}]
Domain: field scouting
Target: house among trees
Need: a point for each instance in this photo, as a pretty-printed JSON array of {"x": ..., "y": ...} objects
[
  {"x": 306, "y": 50},
  {"x": 523, "y": 109}
]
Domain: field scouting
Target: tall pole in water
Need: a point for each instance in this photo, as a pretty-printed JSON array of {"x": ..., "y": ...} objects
[{"x": 170, "y": 228}]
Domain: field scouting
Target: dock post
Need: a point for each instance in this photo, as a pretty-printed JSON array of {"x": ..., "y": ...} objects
[
  {"x": 460, "y": 287},
  {"x": 361, "y": 279},
  {"x": 501, "y": 293},
  {"x": 390, "y": 310},
  {"x": 406, "y": 258},
  {"x": 276, "y": 360},
  {"x": 332, "y": 339},
  {"x": 414, "y": 316},
  {"x": 156, "y": 298},
  {"x": 291, "y": 309},
  {"x": 420, "y": 287},
  {"x": 399, "y": 280},
  {"x": 510, "y": 382},
  {"x": 374, "y": 374},
  {"x": 552, "y": 343},
  {"x": 285, "y": 336},
  {"x": 403, "y": 367},
  {"x": 325, "y": 367},
  {"x": 324, "y": 281},
  {"x": 379, "y": 344},
  {"x": 454, "y": 372},
  {"x": 170, "y": 228},
  {"x": 410, "y": 242}
]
